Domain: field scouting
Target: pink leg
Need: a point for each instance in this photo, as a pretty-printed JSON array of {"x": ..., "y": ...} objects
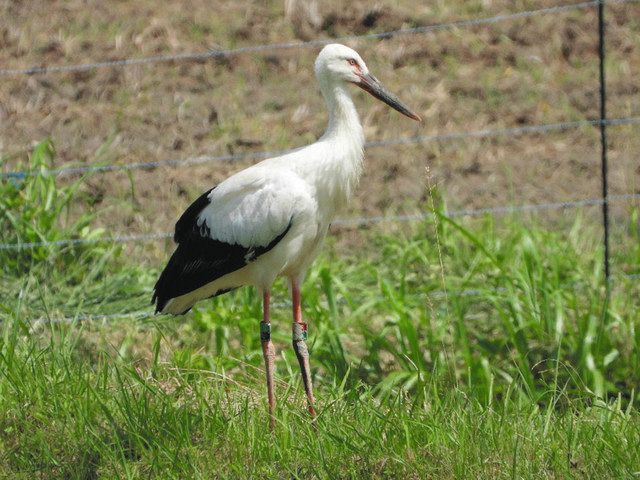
[
  {"x": 299, "y": 338},
  {"x": 269, "y": 353}
]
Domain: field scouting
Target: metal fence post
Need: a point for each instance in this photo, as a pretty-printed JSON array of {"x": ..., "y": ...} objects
[{"x": 603, "y": 140}]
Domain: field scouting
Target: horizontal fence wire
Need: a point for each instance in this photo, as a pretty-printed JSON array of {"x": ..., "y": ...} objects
[
  {"x": 344, "y": 222},
  {"x": 261, "y": 48},
  {"x": 142, "y": 237},
  {"x": 416, "y": 139},
  {"x": 498, "y": 210},
  {"x": 149, "y": 314}
]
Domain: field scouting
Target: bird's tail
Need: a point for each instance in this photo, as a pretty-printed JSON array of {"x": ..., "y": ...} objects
[
  {"x": 178, "y": 289},
  {"x": 164, "y": 291}
]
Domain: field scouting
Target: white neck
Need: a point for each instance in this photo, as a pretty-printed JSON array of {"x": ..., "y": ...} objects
[
  {"x": 344, "y": 143},
  {"x": 343, "y": 117}
]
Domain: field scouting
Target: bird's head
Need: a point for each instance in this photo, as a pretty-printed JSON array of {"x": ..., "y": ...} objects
[{"x": 339, "y": 63}]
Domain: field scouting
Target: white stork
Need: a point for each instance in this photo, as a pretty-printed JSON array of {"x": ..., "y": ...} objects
[{"x": 270, "y": 219}]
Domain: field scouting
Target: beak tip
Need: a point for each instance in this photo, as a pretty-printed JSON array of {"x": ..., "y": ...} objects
[{"x": 416, "y": 117}]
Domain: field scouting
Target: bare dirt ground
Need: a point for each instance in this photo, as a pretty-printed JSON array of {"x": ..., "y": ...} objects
[{"x": 513, "y": 73}]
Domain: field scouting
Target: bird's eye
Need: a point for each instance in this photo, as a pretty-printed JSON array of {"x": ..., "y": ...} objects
[{"x": 352, "y": 62}]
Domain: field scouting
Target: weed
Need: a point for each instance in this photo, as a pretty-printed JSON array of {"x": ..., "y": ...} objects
[{"x": 35, "y": 209}]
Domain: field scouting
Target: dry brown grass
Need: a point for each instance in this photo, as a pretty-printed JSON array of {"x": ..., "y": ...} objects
[{"x": 520, "y": 72}]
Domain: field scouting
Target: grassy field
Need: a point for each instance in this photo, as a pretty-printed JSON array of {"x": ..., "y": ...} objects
[
  {"x": 454, "y": 347},
  {"x": 449, "y": 349}
]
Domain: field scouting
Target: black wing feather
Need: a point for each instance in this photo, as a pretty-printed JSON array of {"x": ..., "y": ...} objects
[
  {"x": 199, "y": 259},
  {"x": 187, "y": 223}
]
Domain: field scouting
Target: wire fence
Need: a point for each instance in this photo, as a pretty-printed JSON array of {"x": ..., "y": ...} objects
[
  {"x": 416, "y": 139},
  {"x": 344, "y": 222},
  {"x": 601, "y": 122},
  {"x": 262, "y": 48}
]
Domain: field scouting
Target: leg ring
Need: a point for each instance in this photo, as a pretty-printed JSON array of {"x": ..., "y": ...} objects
[
  {"x": 299, "y": 331},
  {"x": 265, "y": 331}
]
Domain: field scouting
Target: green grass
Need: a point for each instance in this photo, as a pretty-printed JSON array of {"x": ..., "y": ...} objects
[
  {"x": 478, "y": 348},
  {"x": 66, "y": 418}
]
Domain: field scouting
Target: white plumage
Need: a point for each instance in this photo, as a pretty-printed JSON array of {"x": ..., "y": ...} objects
[{"x": 271, "y": 219}]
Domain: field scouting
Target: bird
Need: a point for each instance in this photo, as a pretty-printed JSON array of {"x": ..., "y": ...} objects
[{"x": 270, "y": 220}]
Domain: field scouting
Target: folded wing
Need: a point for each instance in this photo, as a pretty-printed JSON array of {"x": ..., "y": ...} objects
[{"x": 227, "y": 228}]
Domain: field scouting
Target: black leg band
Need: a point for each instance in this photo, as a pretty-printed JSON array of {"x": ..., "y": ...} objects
[{"x": 265, "y": 331}]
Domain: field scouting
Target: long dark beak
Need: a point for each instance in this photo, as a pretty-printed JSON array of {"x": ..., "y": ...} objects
[{"x": 370, "y": 84}]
